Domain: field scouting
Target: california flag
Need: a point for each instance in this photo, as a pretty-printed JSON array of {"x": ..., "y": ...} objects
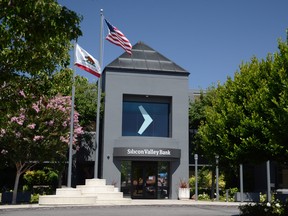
[{"x": 86, "y": 61}]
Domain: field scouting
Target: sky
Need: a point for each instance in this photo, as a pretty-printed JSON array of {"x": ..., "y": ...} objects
[{"x": 208, "y": 38}]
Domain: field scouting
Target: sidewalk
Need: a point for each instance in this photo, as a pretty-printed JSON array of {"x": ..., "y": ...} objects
[{"x": 136, "y": 202}]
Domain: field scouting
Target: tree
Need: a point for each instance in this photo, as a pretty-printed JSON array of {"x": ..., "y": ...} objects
[
  {"x": 33, "y": 134},
  {"x": 197, "y": 117},
  {"x": 35, "y": 41},
  {"x": 248, "y": 117},
  {"x": 36, "y": 36},
  {"x": 86, "y": 102}
]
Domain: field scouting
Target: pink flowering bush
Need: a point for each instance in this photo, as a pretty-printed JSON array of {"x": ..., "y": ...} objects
[
  {"x": 45, "y": 125},
  {"x": 34, "y": 129}
]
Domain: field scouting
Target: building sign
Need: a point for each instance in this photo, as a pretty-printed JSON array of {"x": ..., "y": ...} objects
[{"x": 147, "y": 152}]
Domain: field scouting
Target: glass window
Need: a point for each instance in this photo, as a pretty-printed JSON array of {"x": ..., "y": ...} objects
[{"x": 157, "y": 123}]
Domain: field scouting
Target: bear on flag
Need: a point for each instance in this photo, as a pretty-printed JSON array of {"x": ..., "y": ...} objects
[{"x": 86, "y": 61}]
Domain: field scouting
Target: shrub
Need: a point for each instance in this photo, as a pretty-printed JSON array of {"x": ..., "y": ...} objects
[
  {"x": 34, "y": 198},
  {"x": 231, "y": 194},
  {"x": 203, "y": 196},
  {"x": 263, "y": 197},
  {"x": 45, "y": 181},
  {"x": 205, "y": 182},
  {"x": 274, "y": 208}
]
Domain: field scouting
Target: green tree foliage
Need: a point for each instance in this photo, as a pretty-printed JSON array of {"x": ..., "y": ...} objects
[
  {"x": 58, "y": 83},
  {"x": 35, "y": 36},
  {"x": 248, "y": 118},
  {"x": 35, "y": 42},
  {"x": 197, "y": 117},
  {"x": 86, "y": 102}
]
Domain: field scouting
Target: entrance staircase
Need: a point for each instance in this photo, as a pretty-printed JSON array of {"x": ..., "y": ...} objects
[{"x": 95, "y": 191}]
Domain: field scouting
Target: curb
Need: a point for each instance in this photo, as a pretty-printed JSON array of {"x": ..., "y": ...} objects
[{"x": 135, "y": 203}]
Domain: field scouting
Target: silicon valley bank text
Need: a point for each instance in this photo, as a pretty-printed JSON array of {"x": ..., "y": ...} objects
[{"x": 148, "y": 152}]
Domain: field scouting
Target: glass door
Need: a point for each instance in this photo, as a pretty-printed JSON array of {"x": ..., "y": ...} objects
[
  {"x": 144, "y": 180},
  {"x": 163, "y": 180}
]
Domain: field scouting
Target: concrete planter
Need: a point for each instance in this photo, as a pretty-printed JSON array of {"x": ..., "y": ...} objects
[
  {"x": 184, "y": 193},
  {"x": 22, "y": 197},
  {"x": 247, "y": 197}
]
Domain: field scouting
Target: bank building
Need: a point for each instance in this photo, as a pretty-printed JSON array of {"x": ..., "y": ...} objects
[{"x": 143, "y": 148}]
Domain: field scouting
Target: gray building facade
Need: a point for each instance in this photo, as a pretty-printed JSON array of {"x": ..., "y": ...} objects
[{"x": 144, "y": 146}]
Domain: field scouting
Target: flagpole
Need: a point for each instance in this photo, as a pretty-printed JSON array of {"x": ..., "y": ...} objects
[
  {"x": 71, "y": 125},
  {"x": 99, "y": 99}
]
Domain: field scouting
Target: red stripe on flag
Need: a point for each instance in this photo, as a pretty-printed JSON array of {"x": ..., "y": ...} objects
[
  {"x": 88, "y": 70},
  {"x": 116, "y": 37}
]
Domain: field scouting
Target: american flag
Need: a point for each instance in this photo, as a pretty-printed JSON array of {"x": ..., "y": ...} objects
[{"x": 118, "y": 38}]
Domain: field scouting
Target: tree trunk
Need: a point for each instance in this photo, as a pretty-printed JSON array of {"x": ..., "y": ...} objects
[
  {"x": 21, "y": 168},
  {"x": 18, "y": 174}
]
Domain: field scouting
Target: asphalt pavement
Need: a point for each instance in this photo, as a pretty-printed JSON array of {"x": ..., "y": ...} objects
[
  {"x": 136, "y": 202},
  {"x": 136, "y": 207}
]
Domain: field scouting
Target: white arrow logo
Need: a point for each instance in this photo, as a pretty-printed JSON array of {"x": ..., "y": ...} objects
[{"x": 147, "y": 120}]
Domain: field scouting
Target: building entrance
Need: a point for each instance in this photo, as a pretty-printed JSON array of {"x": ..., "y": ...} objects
[{"x": 145, "y": 179}]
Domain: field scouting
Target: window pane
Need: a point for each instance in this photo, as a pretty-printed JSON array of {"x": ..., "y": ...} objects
[{"x": 133, "y": 119}]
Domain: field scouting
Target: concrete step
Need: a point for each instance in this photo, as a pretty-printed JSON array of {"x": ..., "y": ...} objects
[
  {"x": 95, "y": 182},
  {"x": 110, "y": 196},
  {"x": 65, "y": 200},
  {"x": 68, "y": 192},
  {"x": 95, "y": 189}
]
